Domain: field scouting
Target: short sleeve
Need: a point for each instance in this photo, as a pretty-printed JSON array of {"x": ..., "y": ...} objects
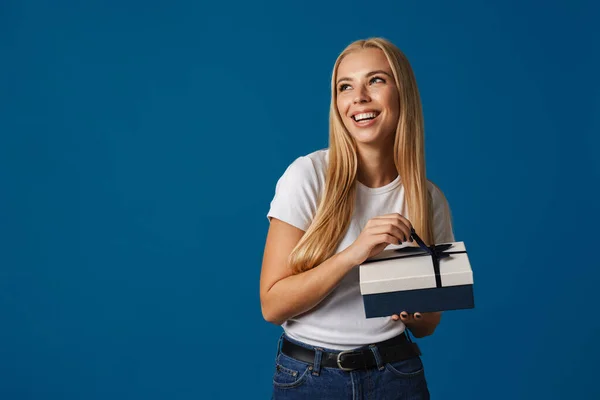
[
  {"x": 296, "y": 194},
  {"x": 442, "y": 217}
]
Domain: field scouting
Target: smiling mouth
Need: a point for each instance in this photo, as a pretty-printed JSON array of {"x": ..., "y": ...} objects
[{"x": 363, "y": 117}]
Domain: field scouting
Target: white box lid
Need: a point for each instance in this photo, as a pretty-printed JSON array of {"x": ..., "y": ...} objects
[{"x": 392, "y": 273}]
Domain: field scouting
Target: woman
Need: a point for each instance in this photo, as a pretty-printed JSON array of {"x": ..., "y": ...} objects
[{"x": 333, "y": 209}]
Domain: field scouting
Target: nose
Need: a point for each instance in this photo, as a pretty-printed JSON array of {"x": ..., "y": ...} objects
[{"x": 362, "y": 96}]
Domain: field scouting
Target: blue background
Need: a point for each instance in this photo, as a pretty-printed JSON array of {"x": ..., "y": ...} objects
[{"x": 140, "y": 147}]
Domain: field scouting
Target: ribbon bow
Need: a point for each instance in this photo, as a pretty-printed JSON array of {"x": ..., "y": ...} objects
[{"x": 436, "y": 252}]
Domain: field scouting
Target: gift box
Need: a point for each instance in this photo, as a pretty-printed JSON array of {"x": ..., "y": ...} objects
[{"x": 417, "y": 279}]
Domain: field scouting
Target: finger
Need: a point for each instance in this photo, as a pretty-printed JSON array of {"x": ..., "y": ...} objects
[
  {"x": 383, "y": 216},
  {"x": 395, "y": 216},
  {"x": 385, "y": 235},
  {"x": 391, "y": 215},
  {"x": 395, "y": 317},
  {"x": 401, "y": 218},
  {"x": 391, "y": 228},
  {"x": 398, "y": 222},
  {"x": 384, "y": 238}
]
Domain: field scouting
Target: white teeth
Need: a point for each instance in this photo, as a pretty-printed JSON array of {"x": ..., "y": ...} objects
[{"x": 361, "y": 116}]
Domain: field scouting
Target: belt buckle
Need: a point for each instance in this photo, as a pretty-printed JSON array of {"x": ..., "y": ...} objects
[{"x": 339, "y": 361}]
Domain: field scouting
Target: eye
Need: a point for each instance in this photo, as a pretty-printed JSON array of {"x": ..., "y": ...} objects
[
  {"x": 343, "y": 87},
  {"x": 376, "y": 79}
]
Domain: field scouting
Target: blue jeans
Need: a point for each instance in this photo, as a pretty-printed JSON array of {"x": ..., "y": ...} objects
[{"x": 294, "y": 379}]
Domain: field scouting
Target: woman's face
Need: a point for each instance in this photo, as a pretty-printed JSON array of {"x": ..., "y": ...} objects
[{"x": 367, "y": 97}]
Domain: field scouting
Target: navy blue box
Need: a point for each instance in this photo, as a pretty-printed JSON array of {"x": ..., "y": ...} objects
[{"x": 408, "y": 279}]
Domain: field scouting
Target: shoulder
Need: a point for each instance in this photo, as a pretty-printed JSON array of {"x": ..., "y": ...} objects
[
  {"x": 442, "y": 216},
  {"x": 307, "y": 169},
  {"x": 437, "y": 195},
  {"x": 315, "y": 161},
  {"x": 320, "y": 158},
  {"x": 299, "y": 188}
]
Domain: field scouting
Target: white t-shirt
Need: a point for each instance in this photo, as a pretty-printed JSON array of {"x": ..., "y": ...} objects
[{"x": 338, "y": 321}]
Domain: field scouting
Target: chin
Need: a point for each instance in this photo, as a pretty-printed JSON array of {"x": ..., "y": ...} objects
[{"x": 369, "y": 139}]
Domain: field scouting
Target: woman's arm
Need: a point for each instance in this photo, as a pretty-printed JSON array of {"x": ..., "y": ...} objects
[{"x": 283, "y": 295}]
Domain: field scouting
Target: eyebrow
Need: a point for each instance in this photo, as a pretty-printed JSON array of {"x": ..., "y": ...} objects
[{"x": 379, "y": 71}]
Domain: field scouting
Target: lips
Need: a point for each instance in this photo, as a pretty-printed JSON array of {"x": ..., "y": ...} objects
[
  {"x": 365, "y": 123},
  {"x": 366, "y": 115}
]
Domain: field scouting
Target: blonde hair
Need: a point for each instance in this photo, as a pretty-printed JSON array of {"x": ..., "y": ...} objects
[{"x": 336, "y": 204}]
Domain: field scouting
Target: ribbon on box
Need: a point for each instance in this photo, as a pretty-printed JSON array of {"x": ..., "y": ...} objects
[{"x": 436, "y": 252}]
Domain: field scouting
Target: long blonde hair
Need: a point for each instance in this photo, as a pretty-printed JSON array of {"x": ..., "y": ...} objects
[{"x": 336, "y": 204}]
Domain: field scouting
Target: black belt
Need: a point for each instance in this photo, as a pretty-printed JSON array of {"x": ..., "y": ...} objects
[{"x": 392, "y": 350}]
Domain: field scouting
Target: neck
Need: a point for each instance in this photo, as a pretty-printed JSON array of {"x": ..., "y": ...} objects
[{"x": 376, "y": 168}]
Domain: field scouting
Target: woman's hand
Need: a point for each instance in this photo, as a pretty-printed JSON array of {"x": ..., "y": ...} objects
[
  {"x": 420, "y": 324},
  {"x": 378, "y": 233}
]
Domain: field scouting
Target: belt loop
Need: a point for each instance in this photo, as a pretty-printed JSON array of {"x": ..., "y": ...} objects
[
  {"x": 378, "y": 359},
  {"x": 279, "y": 346},
  {"x": 407, "y": 334},
  {"x": 317, "y": 363}
]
